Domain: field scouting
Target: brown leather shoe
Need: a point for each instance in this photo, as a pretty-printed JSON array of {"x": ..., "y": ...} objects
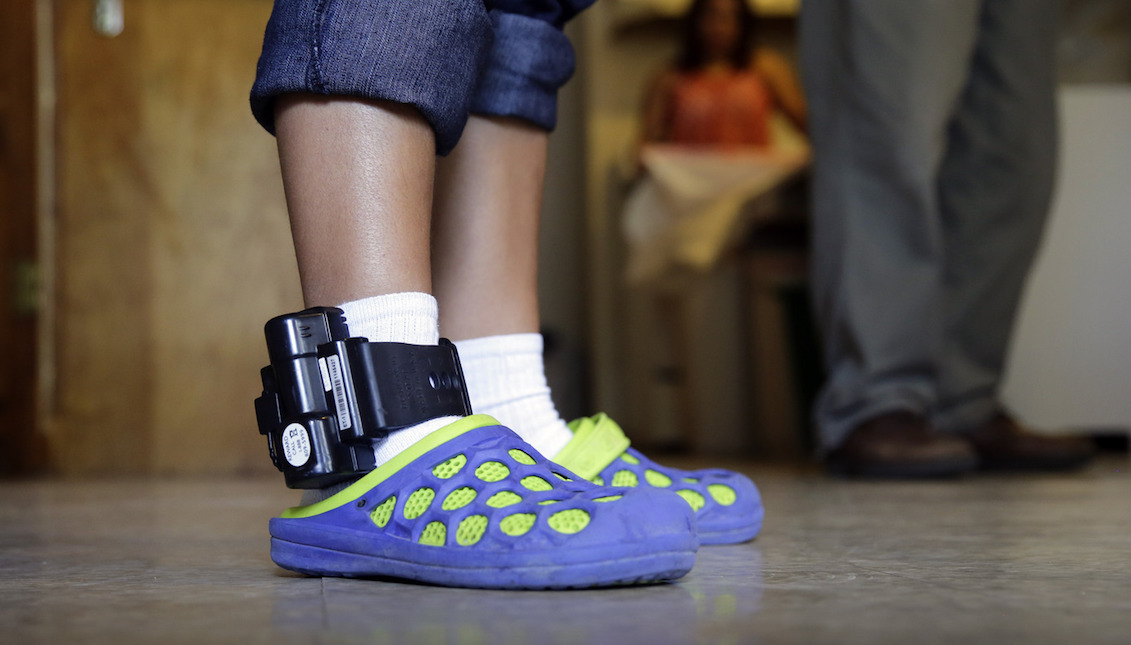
[
  {"x": 900, "y": 445},
  {"x": 1002, "y": 444}
]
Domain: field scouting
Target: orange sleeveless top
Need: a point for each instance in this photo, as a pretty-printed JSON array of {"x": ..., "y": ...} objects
[{"x": 713, "y": 109}]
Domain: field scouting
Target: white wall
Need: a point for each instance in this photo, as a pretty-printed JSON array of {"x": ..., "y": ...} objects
[{"x": 1071, "y": 359}]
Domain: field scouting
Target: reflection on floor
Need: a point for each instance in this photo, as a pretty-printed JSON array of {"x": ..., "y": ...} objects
[{"x": 980, "y": 560}]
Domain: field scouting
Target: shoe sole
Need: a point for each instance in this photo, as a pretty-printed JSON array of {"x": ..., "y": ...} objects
[
  {"x": 733, "y": 535},
  {"x": 1031, "y": 466},
  {"x": 929, "y": 470},
  {"x": 653, "y": 567}
]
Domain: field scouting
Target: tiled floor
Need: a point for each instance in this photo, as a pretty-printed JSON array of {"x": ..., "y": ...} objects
[{"x": 981, "y": 560}]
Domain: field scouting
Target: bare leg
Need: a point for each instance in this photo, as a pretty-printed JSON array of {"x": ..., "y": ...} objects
[
  {"x": 485, "y": 257},
  {"x": 488, "y": 201},
  {"x": 358, "y": 177}
]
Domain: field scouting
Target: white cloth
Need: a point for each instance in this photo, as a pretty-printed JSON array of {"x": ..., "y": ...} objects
[{"x": 689, "y": 207}]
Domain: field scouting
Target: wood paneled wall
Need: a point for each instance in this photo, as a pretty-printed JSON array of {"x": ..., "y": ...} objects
[{"x": 173, "y": 247}]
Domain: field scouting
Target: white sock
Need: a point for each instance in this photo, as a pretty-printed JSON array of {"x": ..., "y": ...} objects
[
  {"x": 506, "y": 379},
  {"x": 397, "y": 318},
  {"x": 394, "y": 318}
]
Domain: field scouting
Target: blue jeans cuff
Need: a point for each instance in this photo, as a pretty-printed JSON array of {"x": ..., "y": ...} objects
[
  {"x": 362, "y": 48},
  {"x": 527, "y": 64}
]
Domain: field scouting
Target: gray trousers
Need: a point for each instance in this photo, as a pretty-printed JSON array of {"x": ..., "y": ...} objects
[{"x": 934, "y": 131}]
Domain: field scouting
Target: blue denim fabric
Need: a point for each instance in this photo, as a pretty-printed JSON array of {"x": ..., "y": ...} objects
[
  {"x": 445, "y": 57},
  {"x": 427, "y": 53},
  {"x": 528, "y": 62},
  {"x": 554, "y": 12}
]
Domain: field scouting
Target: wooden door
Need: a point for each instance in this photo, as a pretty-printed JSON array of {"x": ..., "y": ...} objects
[
  {"x": 21, "y": 444},
  {"x": 172, "y": 246}
]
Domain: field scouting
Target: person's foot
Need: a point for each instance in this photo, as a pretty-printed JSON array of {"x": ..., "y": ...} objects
[
  {"x": 1003, "y": 444},
  {"x": 472, "y": 505},
  {"x": 728, "y": 508},
  {"x": 900, "y": 445}
]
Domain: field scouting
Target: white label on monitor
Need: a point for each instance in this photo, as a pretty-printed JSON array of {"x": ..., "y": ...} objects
[
  {"x": 296, "y": 444},
  {"x": 334, "y": 366},
  {"x": 325, "y": 375}
]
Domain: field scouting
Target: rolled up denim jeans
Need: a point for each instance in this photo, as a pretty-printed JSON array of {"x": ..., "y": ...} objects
[{"x": 447, "y": 58}]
